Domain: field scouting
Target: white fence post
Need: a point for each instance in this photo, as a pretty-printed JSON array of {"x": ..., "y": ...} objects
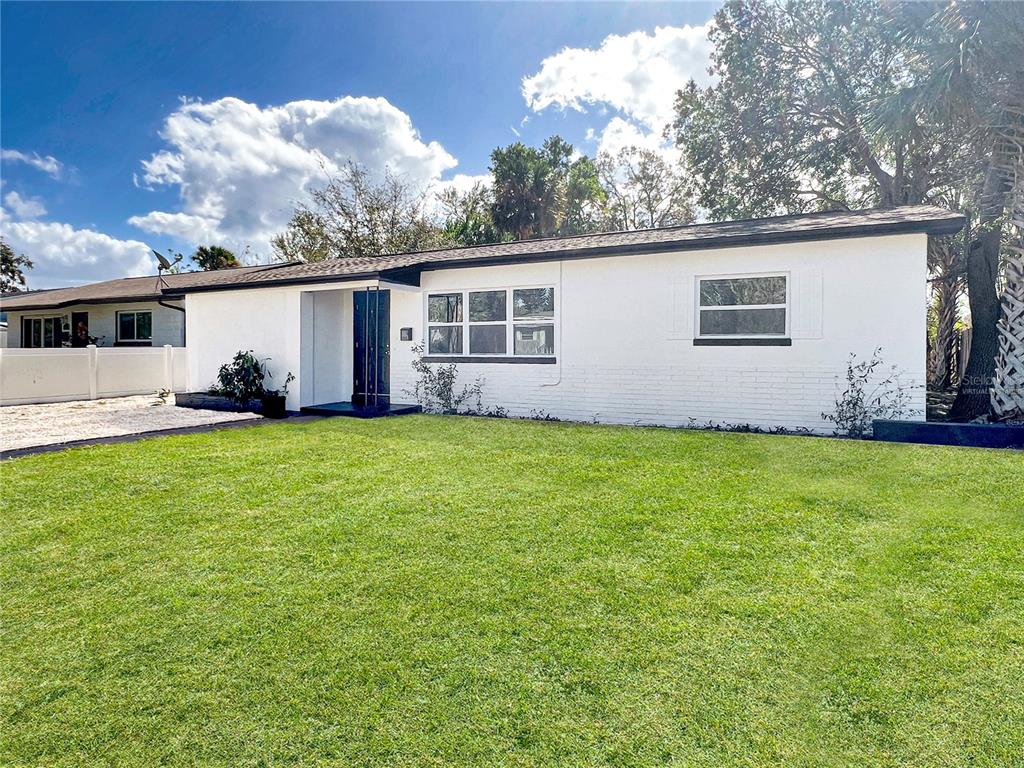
[
  {"x": 93, "y": 370},
  {"x": 169, "y": 367}
]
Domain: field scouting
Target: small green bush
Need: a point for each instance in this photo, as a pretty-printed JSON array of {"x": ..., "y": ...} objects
[{"x": 242, "y": 379}]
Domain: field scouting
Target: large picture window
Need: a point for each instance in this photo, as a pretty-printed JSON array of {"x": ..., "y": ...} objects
[
  {"x": 502, "y": 322},
  {"x": 742, "y": 306},
  {"x": 135, "y": 326}
]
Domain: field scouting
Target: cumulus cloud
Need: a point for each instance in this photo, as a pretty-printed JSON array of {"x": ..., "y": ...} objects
[
  {"x": 184, "y": 226},
  {"x": 47, "y": 164},
  {"x": 240, "y": 167},
  {"x": 619, "y": 134},
  {"x": 633, "y": 78},
  {"x": 66, "y": 256},
  {"x": 637, "y": 74},
  {"x": 24, "y": 207}
]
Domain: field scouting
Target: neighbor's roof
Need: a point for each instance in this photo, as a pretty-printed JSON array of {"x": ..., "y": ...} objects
[
  {"x": 406, "y": 266},
  {"x": 149, "y": 288}
]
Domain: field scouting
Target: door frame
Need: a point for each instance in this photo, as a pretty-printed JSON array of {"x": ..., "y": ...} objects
[{"x": 371, "y": 352}]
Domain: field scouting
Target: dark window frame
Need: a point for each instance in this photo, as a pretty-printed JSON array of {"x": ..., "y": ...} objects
[
  {"x": 510, "y": 322},
  {"x": 56, "y": 328},
  {"x": 135, "y": 326},
  {"x": 737, "y": 339}
]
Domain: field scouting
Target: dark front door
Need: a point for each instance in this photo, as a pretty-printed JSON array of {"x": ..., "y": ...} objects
[{"x": 371, "y": 383}]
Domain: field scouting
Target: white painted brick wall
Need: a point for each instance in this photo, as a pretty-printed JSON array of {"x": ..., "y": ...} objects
[
  {"x": 626, "y": 350},
  {"x": 624, "y": 343}
]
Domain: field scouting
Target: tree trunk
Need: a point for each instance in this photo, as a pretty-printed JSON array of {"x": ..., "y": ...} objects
[
  {"x": 973, "y": 398},
  {"x": 947, "y": 291}
]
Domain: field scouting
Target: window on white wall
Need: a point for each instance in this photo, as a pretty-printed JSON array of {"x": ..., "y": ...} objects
[
  {"x": 742, "y": 306},
  {"x": 135, "y": 326},
  {"x": 498, "y": 322},
  {"x": 488, "y": 317}
]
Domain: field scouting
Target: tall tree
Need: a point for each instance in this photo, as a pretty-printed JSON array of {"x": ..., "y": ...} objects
[
  {"x": 544, "y": 192},
  {"x": 467, "y": 216},
  {"x": 643, "y": 190},
  {"x": 12, "y": 269},
  {"x": 946, "y": 263},
  {"x": 210, "y": 257},
  {"x": 828, "y": 105},
  {"x": 305, "y": 239},
  {"x": 792, "y": 123},
  {"x": 967, "y": 63},
  {"x": 356, "y": 215}
]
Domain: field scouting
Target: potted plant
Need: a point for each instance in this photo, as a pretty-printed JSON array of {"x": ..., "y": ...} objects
[{"x": 273, "y": 400}]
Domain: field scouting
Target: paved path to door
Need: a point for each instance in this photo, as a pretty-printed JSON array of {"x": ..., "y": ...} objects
[{"x": 32, "y": 426}]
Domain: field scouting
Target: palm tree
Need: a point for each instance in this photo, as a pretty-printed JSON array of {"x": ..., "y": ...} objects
[
  {"x": 969, "y": 59},
  {"x": 945, "y": 261}
]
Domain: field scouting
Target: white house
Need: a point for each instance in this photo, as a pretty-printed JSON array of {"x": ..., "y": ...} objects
[
  {"x": 736, "y": 322},
  {"x": 128, "y": 312}
]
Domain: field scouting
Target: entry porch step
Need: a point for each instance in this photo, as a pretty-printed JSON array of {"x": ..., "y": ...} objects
[{"x": 359, "y": 411}]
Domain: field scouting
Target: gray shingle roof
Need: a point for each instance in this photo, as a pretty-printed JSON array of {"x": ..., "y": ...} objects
[
  {"x": 147, "y": 288},
  {"x": 815, "y": 226},
  {"x": 779, "y": 229}
]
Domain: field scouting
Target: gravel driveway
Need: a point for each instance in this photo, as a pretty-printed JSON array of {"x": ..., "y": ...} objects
[{"x": 24, "y": 426}]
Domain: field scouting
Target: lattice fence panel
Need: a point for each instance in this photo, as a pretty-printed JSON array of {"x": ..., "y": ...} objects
[{"x": 1008, "y": 383}]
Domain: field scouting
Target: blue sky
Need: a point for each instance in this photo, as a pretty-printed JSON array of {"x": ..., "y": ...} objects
[{"x": 163, "y": 124}]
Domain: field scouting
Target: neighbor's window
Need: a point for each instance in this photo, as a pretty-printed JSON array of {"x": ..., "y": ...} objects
[
  {"x": 135, "y": 326},
  {"x": 41, "y": 332},
  {"x": 742, "y": 306},
  {"x": 498, "y": 322}
]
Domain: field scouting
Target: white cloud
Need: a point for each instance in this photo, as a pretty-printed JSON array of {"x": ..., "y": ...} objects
[
  {"x": 240, "y": 167},
  {"x": 24, "y": 207},
  {"x": 462, "y": 182},
  {"x": 48, "y": 164},
  {"x": 633, "y": 78},
  {"x": 184, "y": 226},
  {"x": 65, "y": 256},
  {"x": 637, "y": 74},
  {"x": 619, "y": 134}
]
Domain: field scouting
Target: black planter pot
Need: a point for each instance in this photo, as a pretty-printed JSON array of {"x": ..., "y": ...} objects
[
  {"x": 273, "y": 407},
  {"x": 210, "y": 402}
]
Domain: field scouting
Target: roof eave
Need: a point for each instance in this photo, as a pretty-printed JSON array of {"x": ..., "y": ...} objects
[
  {"x": 283, "y": 282},
  {"x": 176, "y": 295},
  {"x": 410, "y": 274},
  {"x": 943, "y": 227}
]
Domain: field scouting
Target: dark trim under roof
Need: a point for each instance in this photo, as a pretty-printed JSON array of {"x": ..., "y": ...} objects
[
  {"x": 156, "y": 297},
  {"x": 406, "y": 267}
]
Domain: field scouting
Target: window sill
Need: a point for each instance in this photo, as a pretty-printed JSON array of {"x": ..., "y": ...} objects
[
  {"x": 506, "y": 359},
  {"x": 744, "y": 342}
]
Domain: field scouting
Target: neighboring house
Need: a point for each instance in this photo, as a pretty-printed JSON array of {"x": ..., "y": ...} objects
[
  {"x": 129, "y": 312},
  {"x": 745, "y": 322}
]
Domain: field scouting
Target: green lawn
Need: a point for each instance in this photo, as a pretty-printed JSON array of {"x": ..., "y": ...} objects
[{"x": 454, "y": 591}]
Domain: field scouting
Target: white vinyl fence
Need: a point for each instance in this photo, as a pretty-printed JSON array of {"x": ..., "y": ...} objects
[{"x": 54, "y": 375}]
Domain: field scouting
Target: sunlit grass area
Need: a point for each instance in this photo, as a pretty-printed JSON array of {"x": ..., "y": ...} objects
[{"x": 456, "y": 591}]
